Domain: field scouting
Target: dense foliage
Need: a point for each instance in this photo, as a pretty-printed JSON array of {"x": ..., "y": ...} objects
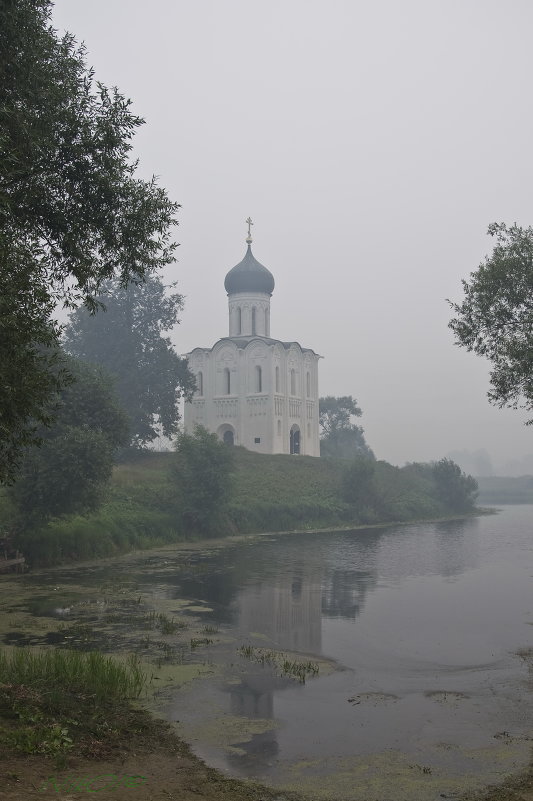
[
  {"x": 495, "y": 319},
  {"x": 357, "y": 481},
  {"x": 69, "y": 472},
  {"x": 72, "y": 210},
  {"x": 127, "y": 340},
  {"x": 456, "y": 490},
  {"x": 202, "y": 468},
  {"x": 339, "y": 436}
]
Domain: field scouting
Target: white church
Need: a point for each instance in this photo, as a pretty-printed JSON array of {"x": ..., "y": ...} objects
[{"x": 253, "y": 390}]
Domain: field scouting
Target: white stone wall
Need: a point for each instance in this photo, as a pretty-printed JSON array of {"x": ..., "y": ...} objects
[
  {"x": 242, "y": 314},
  {"x": 258, "y": 406}
]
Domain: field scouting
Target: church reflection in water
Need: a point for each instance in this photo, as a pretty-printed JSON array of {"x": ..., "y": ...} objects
[
  {"x": 286, "y": 615},
  {"x": 288, "y": 612},
  {"x": 345, "y": 591}
]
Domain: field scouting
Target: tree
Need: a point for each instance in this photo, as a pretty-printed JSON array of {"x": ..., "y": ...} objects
[
  {"x": 69, "y": 472},
  {"x": 357, "y": 480},
  {"x": 339, "y": 437},
  {"x": 72, "y": 210},
  {"x": 203, "y": 467},
  {"x": 495, "y": 319},
  {"x": 455, "y": 490},
  {"x": 127, "y": 341},
  {"x": 29, "y": 372}
]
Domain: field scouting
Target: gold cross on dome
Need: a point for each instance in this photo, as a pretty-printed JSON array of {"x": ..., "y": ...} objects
[{"x": 249, "y": 224}]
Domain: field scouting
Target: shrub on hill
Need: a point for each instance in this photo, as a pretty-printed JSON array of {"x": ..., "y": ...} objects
[{"x": 202, "y": 468}]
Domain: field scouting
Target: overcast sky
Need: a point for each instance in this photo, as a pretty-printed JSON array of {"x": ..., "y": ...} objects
[{"x": 372, "y": 143}]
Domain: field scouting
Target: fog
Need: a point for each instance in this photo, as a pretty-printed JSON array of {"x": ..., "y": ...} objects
[{"x": 372, "y": 144}]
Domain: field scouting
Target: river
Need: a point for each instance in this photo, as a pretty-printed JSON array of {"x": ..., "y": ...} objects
[{"x": 422, "y": 635}]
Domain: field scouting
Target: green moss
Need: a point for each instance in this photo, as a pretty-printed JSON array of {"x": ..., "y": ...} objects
[{"x": 226, "y": 731}]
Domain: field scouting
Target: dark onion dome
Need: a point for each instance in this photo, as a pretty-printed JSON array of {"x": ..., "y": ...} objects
[{"x": 249, "y": 276}]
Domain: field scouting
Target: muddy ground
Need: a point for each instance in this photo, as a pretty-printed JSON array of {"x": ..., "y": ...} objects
[{"x": 158, "y": 766}]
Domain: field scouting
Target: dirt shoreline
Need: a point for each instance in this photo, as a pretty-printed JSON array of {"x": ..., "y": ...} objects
[{"x": 165, "y": 768}]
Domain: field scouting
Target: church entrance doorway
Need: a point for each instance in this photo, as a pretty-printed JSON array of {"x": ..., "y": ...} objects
[
  {"x": 227, "y": 434},
  {"x": 295, "y": 439}
]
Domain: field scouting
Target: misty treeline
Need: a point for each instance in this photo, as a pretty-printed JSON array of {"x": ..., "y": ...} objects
[
  {"x": 127, "y": 338},
  {"x": 340, "y": 437}
]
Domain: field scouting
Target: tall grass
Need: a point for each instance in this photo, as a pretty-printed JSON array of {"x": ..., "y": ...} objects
[
  {"x": 101, "y": 677},
  {"x": 114, "y": 529}
]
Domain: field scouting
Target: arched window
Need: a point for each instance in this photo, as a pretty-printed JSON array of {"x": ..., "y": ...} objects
[
  {"x": 279, "y": 428},
  {"x": 258, "y": 379},
  {"x": 294, "y": 439},
  {"x": 227, "y": 381},
  {"x": 293, "y": 381},
  {"x": 308, "y": 384},
  {"x": 253, "y": 321},
  {"x": 267, "y": 327},
  {"x": 200, "y": 383},
  {"x": 239, "y": 320},
  {"x": 277, "y": 379}
]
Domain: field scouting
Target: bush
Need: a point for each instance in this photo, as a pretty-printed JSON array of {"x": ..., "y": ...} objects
[
  {"x": 202, "y": 468},
  {"x": 454, "y": 488},
  {"x": 357, "y": 480}
]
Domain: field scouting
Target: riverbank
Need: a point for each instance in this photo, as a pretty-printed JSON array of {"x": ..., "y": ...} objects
[
  {"x": 134, "y": 755},
  {"x": 140, "y": 756},
  {"x": 67, "y": 731},
  {"x": 268, "y": 494}
]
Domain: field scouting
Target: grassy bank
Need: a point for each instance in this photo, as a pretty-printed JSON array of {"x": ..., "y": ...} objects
[
  {"x": 268, "y": 493},
  {"x": 69, "y": 724},
  {"x": 53, "y": 702}
]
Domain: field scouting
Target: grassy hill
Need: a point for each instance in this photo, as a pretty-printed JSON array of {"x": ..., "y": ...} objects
[{"x": 268, "y": 493}]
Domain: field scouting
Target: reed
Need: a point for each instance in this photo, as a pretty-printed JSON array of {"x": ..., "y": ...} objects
[
  {"x": 99, "y": 676},
  {"x": 292, "y": 668}
]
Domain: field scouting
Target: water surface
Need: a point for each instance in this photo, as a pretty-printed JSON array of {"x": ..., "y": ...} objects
[{"x": 425, "y": 695}]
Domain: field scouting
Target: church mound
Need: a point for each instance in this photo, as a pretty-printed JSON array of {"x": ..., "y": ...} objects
[{"x": 268, "y": 493}]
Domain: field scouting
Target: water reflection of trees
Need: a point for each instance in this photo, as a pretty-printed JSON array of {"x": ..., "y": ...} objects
[
  {"x": 345, "y": 591},
  {"x": 454, "y": 551}
]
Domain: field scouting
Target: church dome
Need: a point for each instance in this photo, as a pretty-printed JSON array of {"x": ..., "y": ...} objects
[{"x": 249, "y": 276}]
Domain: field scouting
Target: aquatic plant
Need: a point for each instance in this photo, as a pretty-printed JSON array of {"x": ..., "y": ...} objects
[
  {"x": 165, "y": 624},
  {"x": 299, "y": 670},
  {"x": 196, "y": 642},
  {"x": 292, "y": 668}
]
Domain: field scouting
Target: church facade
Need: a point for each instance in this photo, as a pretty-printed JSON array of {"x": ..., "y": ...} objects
[{"x": 251, "y": 389}]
